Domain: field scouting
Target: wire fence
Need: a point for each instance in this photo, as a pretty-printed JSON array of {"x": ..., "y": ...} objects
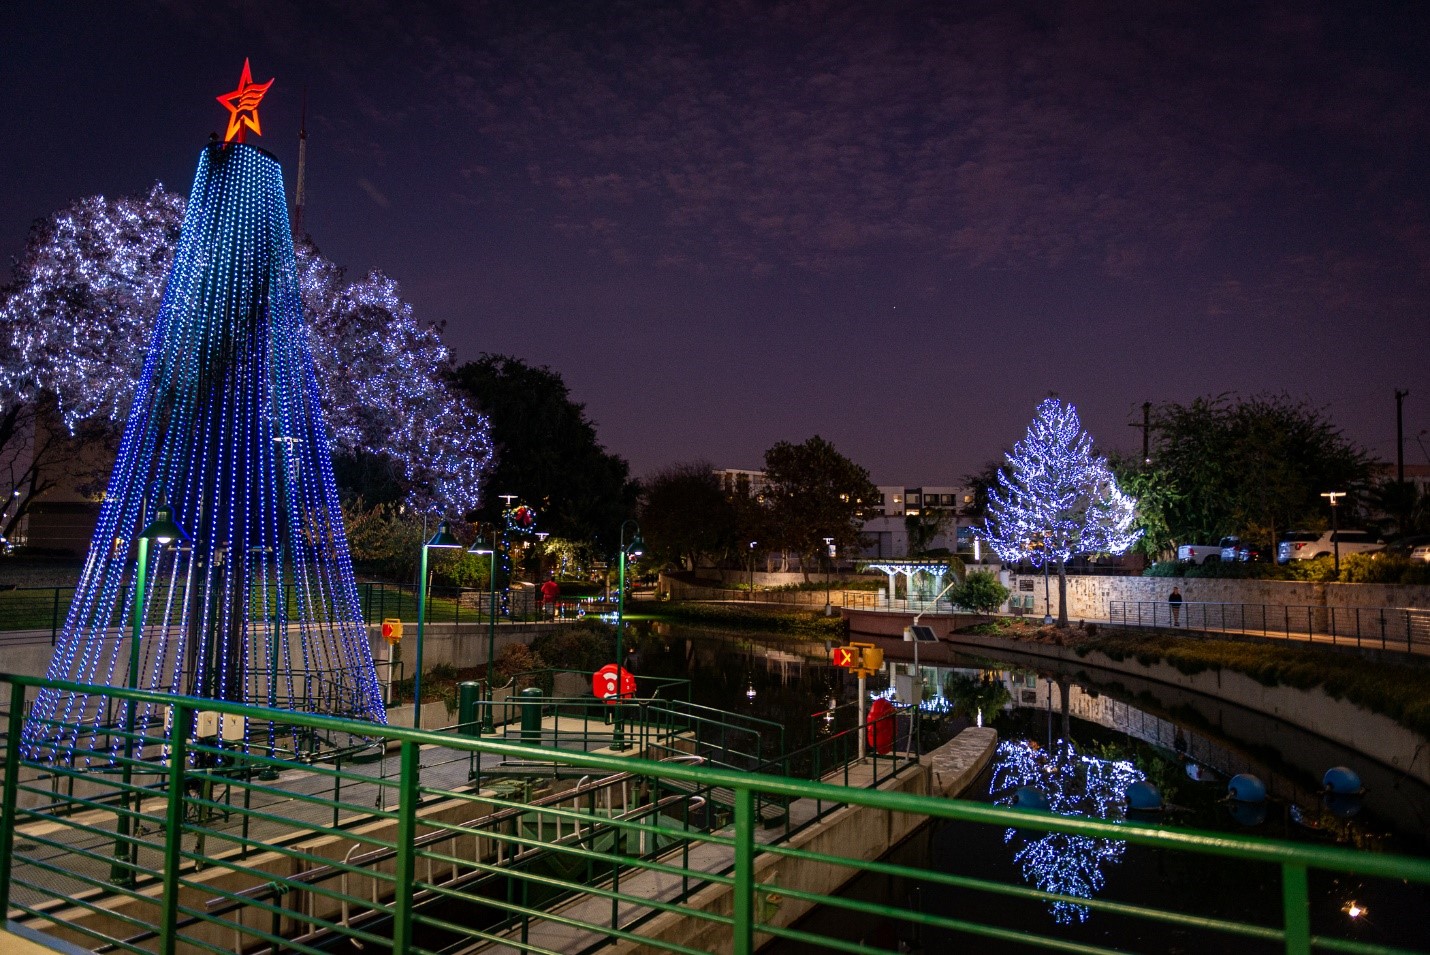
[{"x": 1404, "y": 629}]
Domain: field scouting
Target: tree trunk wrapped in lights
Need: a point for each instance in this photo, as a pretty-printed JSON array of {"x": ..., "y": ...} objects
[{"x": 260, "y": 605}]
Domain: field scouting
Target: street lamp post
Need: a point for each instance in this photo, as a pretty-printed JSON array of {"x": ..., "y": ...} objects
[
  {"x": 1335, "y": 498},
  {"x": 751, "y": 595},
  {"x": 634, "y": 549},
  {"x": 163, "y": 530},
  {"x": 443, "y": 538},
  {"x": 828, "y": 603},
  {"x": 488, "y": 719}
]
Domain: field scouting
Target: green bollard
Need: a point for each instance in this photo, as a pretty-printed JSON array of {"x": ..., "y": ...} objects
[
  {"x": 531, "y": 715},
  {"x": 469, "y": 694}
]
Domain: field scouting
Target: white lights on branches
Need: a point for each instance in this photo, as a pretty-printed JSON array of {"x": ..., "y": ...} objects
[{"x": 1055, "y": 498}]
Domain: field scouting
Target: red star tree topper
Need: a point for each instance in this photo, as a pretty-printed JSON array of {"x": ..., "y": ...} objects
[{"x": 242, "y": 105}]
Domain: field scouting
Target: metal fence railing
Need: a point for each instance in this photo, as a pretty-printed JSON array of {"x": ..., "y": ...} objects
[
  {"x": 176, "y": 842},
  {"x": 40, "y": 612},
  {"x": 681, "y": 590},
  {"x": 1405, "y": 629}
]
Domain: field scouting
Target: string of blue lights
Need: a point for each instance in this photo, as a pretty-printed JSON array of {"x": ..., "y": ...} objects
[{"x": 260, "y": 604}]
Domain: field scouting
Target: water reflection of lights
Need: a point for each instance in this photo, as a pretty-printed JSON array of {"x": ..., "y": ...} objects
[{"x": 1075, "y": 785}]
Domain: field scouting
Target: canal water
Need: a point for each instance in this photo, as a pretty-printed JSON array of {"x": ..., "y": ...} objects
[{"x": 1093, "y": 731}]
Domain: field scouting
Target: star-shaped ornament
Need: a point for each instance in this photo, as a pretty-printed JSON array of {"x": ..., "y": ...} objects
[{"x": 242, "y": 105}]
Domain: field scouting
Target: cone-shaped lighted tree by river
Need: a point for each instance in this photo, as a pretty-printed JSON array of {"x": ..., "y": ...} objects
[{"x": 259, "y": 604}]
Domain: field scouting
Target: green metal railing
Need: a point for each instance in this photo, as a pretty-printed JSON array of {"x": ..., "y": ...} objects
[
  {"x": 231, "y": 850},
  {"x": 37, "y": 614}
]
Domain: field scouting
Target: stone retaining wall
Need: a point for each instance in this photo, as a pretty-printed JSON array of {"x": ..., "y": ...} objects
[{"x": 1089, "y": 596}]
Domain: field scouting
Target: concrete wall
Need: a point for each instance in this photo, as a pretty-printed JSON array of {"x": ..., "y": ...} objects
[
  {"x": 1088, "y": 596},
  {"x": 1378, "y": 737}
]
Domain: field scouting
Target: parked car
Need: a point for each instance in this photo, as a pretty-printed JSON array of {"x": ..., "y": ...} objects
[
  {"x": 1308, "y": 545},
  {"x": 1205, "y": 553},
  {"x": 1410, "y": 548},
  {"x": 1232, "y": 549}
]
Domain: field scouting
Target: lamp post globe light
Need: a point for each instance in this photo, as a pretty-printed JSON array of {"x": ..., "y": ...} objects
[
  {"x": 443, "y": 538},
  {"x": 634, "y": 549},
  {"x": 163, "y": 530},
  {"x": 1335, "y": 498},
  {"x": 488, "y": 719},
  {"x": 751, "y": 593}
]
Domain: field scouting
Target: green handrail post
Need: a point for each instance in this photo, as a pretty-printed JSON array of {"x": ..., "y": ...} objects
[
  {"x": 11, "y": 793},
  {"x": 1296, "y": 903},
  {"x": 126, "y": 852},
  {"x": 417, "y": 664},
  {"x": 405, "y": 865},
  {"x": 174, "y": 829},
  {"x": 743, "y": 937}
]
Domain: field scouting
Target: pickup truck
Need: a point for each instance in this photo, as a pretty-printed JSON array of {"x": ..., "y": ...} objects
[{"x": 1204, "y": 553}]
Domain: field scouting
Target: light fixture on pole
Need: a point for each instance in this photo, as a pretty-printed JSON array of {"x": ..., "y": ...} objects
[
  {"x": 916, "y": 634},
  {"x": 828, "y": 603},
  {"x": 488, "y": 719},
  {"x": 443, "y": 538},
  {"x": 753, "y": 545},
  {"x": 1335, "y": 498},
  {"x": 163, "y": 530},
  {"x": 634, "y": 549}
]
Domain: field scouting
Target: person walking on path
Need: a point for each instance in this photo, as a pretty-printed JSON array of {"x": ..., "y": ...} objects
[
  {"x": 549, "y": 592},
  {"x": 1175, "y": 603}
]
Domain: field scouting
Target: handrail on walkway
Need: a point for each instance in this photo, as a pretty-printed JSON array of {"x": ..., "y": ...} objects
[
  {"x": 1403, "y": 629},
  {"x": 69, "y": 869}
]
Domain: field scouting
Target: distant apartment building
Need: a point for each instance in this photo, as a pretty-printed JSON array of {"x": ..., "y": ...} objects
[
  {"x": 942, "y": 510},
  {"x": 752, "y": 483},
  {"x": 887, "y": 531}
]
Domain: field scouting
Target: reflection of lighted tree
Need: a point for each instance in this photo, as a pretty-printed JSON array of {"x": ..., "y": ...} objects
[
  {"x": 975, "y": 697},
  {"x": 1075, "y": 785}
]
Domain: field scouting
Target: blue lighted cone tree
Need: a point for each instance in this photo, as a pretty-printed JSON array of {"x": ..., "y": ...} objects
[
  {"x": 261, "y": 606},
  {"x": 1055, "y": 499}
]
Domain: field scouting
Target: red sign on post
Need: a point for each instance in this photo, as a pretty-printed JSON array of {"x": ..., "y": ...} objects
[
  {"x": 847, "y": 657},
  {"x": 612, "y": 682}
]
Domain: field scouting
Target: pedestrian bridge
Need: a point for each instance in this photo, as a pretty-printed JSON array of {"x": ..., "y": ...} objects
[{"x": 425, "y": 842}]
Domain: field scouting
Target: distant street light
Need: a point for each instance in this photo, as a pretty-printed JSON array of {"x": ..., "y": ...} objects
[
  {"x": 753, "y": 545},
  {"x": 443, "y": 538},
  {"x": 828, "y": 603},
  {"x": 488, "y": 719},
  {"x": 1335, "y": 498}
]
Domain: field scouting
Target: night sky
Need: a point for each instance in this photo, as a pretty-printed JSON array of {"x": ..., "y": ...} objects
[{"x": 898, "y": 225}]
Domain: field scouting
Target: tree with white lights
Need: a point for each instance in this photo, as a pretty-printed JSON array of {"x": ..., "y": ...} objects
[
  {"x": 77, "y": 319},
  {"x": 1055, "y": 498}
]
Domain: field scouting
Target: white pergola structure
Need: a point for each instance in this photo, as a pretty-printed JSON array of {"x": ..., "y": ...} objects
[{"x": 915, "y": 573}]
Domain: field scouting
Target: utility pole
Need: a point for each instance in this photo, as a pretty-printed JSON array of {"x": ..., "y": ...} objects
[
  {"x": 1400, "y": 397},
  {"x": 1403, "y": 518},
  {"x": 1146, "y": 427}
]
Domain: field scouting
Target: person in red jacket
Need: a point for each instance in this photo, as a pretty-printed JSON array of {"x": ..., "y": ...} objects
[{"x": 549, "y": 592}]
